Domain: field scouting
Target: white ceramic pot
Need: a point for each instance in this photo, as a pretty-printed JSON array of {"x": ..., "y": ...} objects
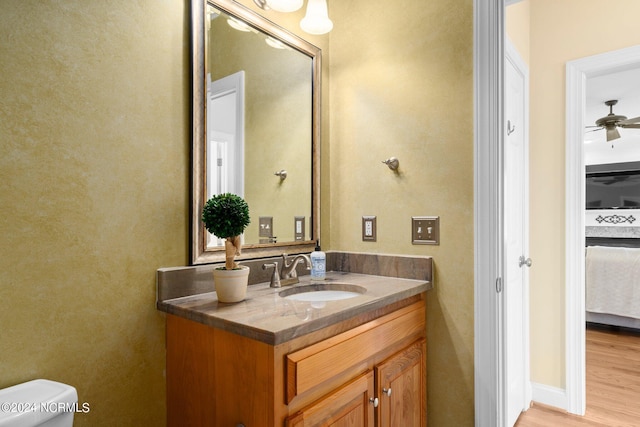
[{"x": 231, "y": 285}]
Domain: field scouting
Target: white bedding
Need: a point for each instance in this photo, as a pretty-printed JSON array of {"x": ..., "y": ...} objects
[{"x": 613, "y": 281}]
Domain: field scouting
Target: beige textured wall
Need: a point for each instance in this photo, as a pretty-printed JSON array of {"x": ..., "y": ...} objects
[
  {"x": 517, "y": 27},
  {"x": 94, "y": 160},
  {"x": 95, "y": 157},
  {"x": 561, "y": 31},
  {"x": 402, "y": 85}
]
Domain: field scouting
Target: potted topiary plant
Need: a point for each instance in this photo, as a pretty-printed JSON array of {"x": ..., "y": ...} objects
[{"x": 226, "y": 216}]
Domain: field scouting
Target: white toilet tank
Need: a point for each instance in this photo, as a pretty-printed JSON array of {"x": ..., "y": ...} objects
[{"x": 38, "y": 403}]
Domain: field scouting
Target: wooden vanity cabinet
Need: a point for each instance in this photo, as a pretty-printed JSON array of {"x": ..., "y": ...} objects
[
  {"x": 349, "y": 406},
  {"x": 398, "y": 399},
  {"x": 337, "y": 376},
  {"x": 401, "y": 384}
]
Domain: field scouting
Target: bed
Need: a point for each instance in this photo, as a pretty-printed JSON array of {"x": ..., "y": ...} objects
[{"x": 613, "y": 281}]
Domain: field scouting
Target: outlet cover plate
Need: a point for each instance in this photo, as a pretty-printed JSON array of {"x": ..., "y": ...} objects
[
  {"x": 425, "y": 230},
  {"x": 369, "y": 228}
]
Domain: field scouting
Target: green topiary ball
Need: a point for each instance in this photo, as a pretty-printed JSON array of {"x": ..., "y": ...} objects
[{"x": 226, "y": 215}]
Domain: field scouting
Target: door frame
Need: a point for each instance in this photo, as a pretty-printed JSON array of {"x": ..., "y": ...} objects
[
  {"x": 488, "y": 18},
  {"x": 489, "y": 57},
  {"x": 488, "y": 139},
  {"x": 577, "y": 73}
]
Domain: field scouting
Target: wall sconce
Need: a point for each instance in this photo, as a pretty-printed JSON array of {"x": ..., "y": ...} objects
[
  {"x": 285, "y": 5},
  {"x": 316, "y": 21},
  {"x": 279, "y": 5}
]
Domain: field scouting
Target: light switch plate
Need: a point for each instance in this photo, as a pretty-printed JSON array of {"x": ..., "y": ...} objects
[
  {"x": 369, "y": 229},
  {"x": 425, "y": 230},
  {"x": 265, "y": 224},
  {"x": 298, "y": 228}
]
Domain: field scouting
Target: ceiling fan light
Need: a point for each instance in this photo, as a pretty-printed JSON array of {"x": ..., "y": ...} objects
[
  {"x": 316, "y": 20},
  {"x": 285, "y": 5},
  {"x": 612, "y": 133}
]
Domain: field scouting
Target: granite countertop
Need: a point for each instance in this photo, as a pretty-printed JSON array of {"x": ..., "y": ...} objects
[{"x": 270, "y": 318}]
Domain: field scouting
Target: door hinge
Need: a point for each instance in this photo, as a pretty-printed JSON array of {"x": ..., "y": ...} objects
[{"x": 499, "y": 284}]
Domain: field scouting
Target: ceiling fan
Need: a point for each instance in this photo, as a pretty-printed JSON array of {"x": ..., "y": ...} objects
[{"x": 611, "y": 122}]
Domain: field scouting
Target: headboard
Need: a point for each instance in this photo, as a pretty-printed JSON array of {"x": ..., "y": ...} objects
[{"x": 625, "y": 242}]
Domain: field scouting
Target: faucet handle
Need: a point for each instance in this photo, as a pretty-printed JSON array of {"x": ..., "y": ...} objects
[
  {"x": 275, "y": 276},
  {"x": 288, "y": 266}
]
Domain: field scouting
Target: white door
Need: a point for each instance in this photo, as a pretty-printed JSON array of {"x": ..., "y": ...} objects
[
  {"x": 516, "y": 195},
  {"x": 224, "y": 139},
  {"x": 225, "y": 135}
]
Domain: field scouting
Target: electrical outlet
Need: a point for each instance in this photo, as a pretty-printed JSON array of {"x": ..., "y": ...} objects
[
  {"x": 298, "y": 228},
  {"x": 369, "y": 228},
  {"x": 425, "y": 230}
]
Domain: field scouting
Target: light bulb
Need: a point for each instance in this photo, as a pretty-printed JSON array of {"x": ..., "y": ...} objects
[
  {"x": 285, "y": 5},
  {"x": 316, "y": 20}
]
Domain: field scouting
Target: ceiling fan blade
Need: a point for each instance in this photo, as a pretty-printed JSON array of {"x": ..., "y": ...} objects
[
  {"x": 629, "y": 121},
  {"x": 633, "y": 126},
  {"x": 612, "y": 133},
  {"x": 593, "y": 130}
]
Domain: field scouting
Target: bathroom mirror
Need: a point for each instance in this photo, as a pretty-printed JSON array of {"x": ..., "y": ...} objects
[{"x": 256, "y": 129}]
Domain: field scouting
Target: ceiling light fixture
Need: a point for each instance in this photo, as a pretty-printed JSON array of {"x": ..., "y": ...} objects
[
  {"x": 279, "y": 5},
  {"x": 316, "y": 20},
  {"x": 285, "y": 5}
]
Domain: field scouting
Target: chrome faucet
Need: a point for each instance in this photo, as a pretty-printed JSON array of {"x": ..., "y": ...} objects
[
  {"x": 275, "y": 276},
  {"x": 288, "y": 274}
]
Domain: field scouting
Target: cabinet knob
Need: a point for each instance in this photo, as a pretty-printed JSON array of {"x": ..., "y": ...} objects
[
  {"x": 387, "y": 391},
  {"x": 374, "y": 400}
]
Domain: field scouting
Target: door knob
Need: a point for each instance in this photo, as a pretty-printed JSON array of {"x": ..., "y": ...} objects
[{"x": 524, "y": 261}]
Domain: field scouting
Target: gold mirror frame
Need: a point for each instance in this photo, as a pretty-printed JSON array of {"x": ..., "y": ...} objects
[{"x": 200, "y": 254}]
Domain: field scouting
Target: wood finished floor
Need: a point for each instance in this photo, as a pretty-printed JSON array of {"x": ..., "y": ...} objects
[{"x": 613, "y": 384}]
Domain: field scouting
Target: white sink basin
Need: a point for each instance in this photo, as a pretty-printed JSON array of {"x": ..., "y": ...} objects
[{"x": 323, "y": 292}]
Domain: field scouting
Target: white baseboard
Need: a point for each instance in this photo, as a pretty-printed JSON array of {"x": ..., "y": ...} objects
[{"x": 550, "y": 396}]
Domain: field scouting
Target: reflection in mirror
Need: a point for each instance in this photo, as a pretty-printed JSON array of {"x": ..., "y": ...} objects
[
  {"x": 256, "y": 128},
  {"x": 275, "y": 81}
]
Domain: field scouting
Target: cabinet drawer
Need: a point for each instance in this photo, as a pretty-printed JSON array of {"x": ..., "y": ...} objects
[
  {"x": 351, "y": 402},
  {"x": 311, "y": 366}
]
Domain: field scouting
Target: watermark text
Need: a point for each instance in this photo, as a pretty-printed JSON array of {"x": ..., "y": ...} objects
[{"x": 50, "y": 407}]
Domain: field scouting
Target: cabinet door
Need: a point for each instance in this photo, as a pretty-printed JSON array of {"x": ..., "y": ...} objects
[
  {"x": 401, "y": 384},
  {"x": 349, "y": 406}
]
